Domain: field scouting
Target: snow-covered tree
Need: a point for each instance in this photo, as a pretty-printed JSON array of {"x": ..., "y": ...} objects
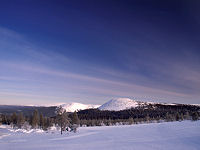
[{"x": 62, "y": 118}]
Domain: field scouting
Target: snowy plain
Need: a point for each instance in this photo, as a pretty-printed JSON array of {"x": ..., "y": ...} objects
[{"x": 183, "y": 135}]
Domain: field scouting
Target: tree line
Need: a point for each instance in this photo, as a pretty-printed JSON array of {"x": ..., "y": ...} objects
[
  {"x": 95, "y": 117},
  {"x": 149, "y": 113},
  {"x": 39, "y": 121}
]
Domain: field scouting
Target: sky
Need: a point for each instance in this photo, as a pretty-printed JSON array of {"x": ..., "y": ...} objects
[{"x": 91, "y": 51}]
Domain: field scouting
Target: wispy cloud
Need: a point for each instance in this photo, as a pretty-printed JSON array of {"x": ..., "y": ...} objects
[
  {"x": 46, "y": 71},
  {"x": 126, "y": 88}
]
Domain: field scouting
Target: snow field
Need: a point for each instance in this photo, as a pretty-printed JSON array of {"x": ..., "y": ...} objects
[{"x": 155, "y": 136}]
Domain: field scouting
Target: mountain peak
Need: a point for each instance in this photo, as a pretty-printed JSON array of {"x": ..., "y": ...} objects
[{"x": 119, "y": 104}]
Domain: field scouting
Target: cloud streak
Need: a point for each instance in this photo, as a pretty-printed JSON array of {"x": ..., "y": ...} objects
[{"x": 38, "y": 72}]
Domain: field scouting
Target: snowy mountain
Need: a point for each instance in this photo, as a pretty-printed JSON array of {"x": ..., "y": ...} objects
[
  {"x": 113, "y": 104},
  {"x": 71, "y": 107},
  {"x": 121, "y": 104}
]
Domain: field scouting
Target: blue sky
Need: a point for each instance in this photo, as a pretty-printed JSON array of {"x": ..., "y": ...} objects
[{"x": 92, "y": 51}]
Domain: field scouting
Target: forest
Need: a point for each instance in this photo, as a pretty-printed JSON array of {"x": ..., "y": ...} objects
[{"x": 95, "y": 117}]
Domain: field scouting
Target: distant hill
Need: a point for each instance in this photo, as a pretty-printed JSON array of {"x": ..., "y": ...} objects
[
  {"x": 71, "y": 107},
  {"x": 127, "y": 103},
  {"x": 122, "y": 104},
  {"x": 27, "y": 110},
  {"x": 119, "y": 105}
]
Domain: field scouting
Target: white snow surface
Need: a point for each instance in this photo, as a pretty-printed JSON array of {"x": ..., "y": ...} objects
[
  {"x": 120, "y": 104},
  {"x": 71, "y": 107},
  {"x": 155, "y": 136}
]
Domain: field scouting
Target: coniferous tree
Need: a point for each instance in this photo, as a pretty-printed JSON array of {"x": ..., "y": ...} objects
[
  {"x": 195, "y": 116},
  {"x": 14, "y": 119},
  {"x": 187, "y": 115},
  {"x": 35, "y": 119},
  {"x": 130, "y": 121},
  {"x": 75, "y": 119},
  {"x": 178, "y": 117},
  {"x": 136, "y": 120},
  {"x": 75, "y": 122},
  {"x": 147, "y": 118},
  {"x": 46, "y": 125},
  {"x": 20, "y": 120},
  {"x": 4, "y": 120},
  {"x": 41, "y": 121},
  {"x": 181, "y": 116},
  {"x": 1, "y": 119}
]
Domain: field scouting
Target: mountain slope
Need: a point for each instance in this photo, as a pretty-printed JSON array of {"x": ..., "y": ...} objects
[
  {"x": 121, "y": 104},
  {"x": 71, "y": 107}
]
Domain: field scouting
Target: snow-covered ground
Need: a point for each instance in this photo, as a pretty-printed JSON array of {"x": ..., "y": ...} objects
[{"x": 156, "y": 136}]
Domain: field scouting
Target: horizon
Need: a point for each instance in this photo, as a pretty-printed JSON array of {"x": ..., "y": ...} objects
[
  {"x": 93, "y": 51},
  {"x": 63, "y": 103}
]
